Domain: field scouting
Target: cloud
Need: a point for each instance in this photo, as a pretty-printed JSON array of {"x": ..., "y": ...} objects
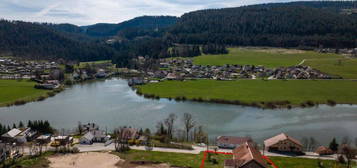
[{"x": 84, "y": 12}]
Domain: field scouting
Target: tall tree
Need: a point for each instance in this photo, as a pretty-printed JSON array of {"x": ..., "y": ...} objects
[
  {"x": 334, "y": 145},
  {"x": 169, "y": 122},
  {"x": 189, "y": 124}
]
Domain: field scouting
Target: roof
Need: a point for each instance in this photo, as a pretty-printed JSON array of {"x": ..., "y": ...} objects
[
  {"x": 12, "y": 133},
  {"x": 88, "y": 136},
  {"x": 280, "y": 137},
  {"x": 247, "y": 153},
  {"x": 233, "y": 140},
  {"x": 323, "y": 149}
]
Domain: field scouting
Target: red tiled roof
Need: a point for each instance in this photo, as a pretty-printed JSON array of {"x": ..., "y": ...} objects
[
  {"x": 247, "y": 153},
  {"x": 280, "y": 137},
  {"x": 233, "y": 140}
]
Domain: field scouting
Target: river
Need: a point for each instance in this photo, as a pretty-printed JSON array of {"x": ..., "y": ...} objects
[{"x": 111, "y": 103}]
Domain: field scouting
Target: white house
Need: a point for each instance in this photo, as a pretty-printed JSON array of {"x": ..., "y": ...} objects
[{"x": 87, "y": 138}]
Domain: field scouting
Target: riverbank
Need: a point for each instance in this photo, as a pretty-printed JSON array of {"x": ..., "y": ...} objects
[{"x": 268, "y": 94}]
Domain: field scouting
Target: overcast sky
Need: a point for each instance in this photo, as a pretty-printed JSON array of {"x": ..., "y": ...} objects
[{"x": 85, "y": 12}]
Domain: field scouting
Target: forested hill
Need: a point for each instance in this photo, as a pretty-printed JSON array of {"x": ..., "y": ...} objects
[
  {"x": 282, "y": 25},
  {"x": 37, "y": 41},
  {"x": 144, "y": 22}
]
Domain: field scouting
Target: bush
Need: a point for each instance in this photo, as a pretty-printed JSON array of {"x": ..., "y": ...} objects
[{"x": 331, "y": 103}]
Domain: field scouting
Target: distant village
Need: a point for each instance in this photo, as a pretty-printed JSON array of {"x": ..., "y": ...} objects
[
  {"x": 51, "y": 75},
  {"x": 184, "y": 69}
]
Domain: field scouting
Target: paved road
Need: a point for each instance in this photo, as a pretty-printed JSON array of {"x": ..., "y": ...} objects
[{"x": 197, "y": 150}]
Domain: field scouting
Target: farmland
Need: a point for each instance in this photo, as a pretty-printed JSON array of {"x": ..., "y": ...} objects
[
  {"x": 267, "y": 57},
  {"x": 257, "y": 91},
  {"x": 344, "y": 67},
  {"x": 14, "y": 90}
]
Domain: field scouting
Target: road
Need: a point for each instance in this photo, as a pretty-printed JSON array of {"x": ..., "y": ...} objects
[{"x": 197, "y": 150}]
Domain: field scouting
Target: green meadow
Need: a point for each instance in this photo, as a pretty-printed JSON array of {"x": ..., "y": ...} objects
[
  {"x": 257, "y": 91},
  {"x": 194, "y": 161},
  {"x": 343, "y": 67},
  {"x": 270, "y": 57},
  {"x": 14, "y": 90}
]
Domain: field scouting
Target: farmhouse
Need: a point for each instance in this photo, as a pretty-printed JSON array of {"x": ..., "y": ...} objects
[
  {"x": 18, "y": 135},
  {"x": 322, "y": 150},
  {"x": 231, "y": 142},
  {"x": 246, "y": 156},
  {"x": 283, "y": 143}
]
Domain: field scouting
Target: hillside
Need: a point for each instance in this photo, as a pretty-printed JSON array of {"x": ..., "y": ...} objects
[
  {"x": 281, "y": 24},
  {"x": 37, "y": 41},
  {"x": 144, "y": 22}
]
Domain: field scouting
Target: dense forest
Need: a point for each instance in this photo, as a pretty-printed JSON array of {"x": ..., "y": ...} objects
[
  {"x": 36, "y": 41},
  {"x": 280, "y": 25},
  {"x": 143, "y": 23},
  {"x": 295, "y": 24}
]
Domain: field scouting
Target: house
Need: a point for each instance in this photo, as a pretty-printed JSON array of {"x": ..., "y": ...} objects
[
  {"x": 17, "y": 135},
  {"x": 322, "y": 150},
  {"x": 130, "y": 133},
  {"x": 246, "y": 156},
  {"x": 10, "y": 136},
  {"x": 87, "y": 138},
  {"x": 94, "y": 136},
  {"x": 89, "y": 127},
  {"x": 283, "y": 143},
  {"x": 231, "y": 142}
]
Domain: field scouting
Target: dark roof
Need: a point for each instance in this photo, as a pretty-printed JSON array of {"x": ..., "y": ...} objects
[{"x": 233, "y": 140}]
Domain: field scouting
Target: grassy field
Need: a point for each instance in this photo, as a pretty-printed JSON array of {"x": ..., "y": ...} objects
[
  {"x": 83, "y": 64},
  {"x": 344, "y": 67},
  {"x": 174, "y": 159},
  {"x": 249, "y": 91},
  {"x": 267, "y": 57},
  {"x": 13, "y": 90},
  {"x": 194, "y": 161},
  {"x": 303, "y": 163},
  {"x": 31, "y": 162}
]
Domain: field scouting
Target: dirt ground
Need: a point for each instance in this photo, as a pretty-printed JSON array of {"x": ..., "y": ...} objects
[
  {"x": 95, "y": 160},
  {"x": 85, "y": 160}
]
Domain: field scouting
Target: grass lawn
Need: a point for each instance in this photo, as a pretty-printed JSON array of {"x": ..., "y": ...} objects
[
  {"x": 267, "y": 57},
  {"x": 83, "y": 64},
  {"x": 174, "y": 159},
  {"x": 13, "y": 90},
  {"x": 249, "y": 91},
  {"x": 194, "y": 161},
  {"x": 344, "y": 67},
  {"x": 303, "y": 163},
  {"x": 33, "y": 162}
]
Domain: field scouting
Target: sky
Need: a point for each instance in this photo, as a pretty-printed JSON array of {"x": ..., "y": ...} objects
[{"x": 86, "y": 12}]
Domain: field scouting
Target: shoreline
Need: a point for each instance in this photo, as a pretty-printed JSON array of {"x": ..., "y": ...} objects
[
  {"x": 261, "y": 105},
  {"x": 23, "y": 101}
]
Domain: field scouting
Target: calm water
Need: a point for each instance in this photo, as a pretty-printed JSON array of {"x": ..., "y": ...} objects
[{"x": 112, "y": 103}]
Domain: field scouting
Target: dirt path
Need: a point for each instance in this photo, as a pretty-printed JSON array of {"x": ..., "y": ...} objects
[{"x": 85, "y": 160}]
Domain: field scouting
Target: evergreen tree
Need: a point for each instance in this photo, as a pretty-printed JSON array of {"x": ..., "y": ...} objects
[{"x": 334, "y": 145}]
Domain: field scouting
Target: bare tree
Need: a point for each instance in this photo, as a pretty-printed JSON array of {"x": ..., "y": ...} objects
[
  {"x": 349, "y": 153},
  {"x": 189, "y": 124},
  {"x": 121, "y": 140},
  {"x": 346, "y": 141},
  {"x": 169, "y": 122},
  {"x": 80, "y": 128}
]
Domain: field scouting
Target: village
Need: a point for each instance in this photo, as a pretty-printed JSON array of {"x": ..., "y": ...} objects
[
  {"x": 246, "y": 153},
  {"x": 184, "y": 69}
]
